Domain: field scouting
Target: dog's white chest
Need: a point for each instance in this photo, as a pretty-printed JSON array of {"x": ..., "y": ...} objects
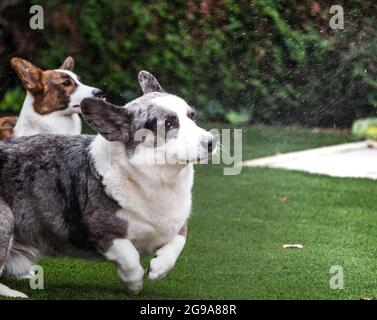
[
  {"x": 66, "y": 124},
  {"x": 154, "y": 200},
  {"x": 30, "y": 123},
  {"x": 154, "y": 219},
  {"x": 155, "y": 212}
]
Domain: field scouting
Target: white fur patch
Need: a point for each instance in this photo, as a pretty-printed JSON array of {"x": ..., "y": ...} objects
[{"x": 8, "y": 292}]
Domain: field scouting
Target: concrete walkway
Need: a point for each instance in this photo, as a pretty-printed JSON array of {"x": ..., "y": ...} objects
[{"x": 356, "y": 160}]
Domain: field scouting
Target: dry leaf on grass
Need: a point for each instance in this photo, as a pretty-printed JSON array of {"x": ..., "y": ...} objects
[
  {"x": 283, "y": 199},
  {"x": 293, "y": 246}
]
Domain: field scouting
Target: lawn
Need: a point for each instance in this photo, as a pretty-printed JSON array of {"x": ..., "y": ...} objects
[{"x": 237, "y": 229}]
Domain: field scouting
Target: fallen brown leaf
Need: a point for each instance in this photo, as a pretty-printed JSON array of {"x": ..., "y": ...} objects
[
  {"x": 293, "y": 246},
  {"x": 283, "y": 199}
]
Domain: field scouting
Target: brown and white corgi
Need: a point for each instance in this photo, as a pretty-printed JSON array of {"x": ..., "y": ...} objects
[{"x": 52, "y": 100}]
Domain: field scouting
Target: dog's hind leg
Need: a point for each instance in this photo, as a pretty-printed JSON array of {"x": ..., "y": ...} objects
[{"x": 6, "y": 232}]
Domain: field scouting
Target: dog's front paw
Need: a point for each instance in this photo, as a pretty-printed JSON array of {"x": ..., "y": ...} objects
[
  {"x": 134, "y": 287},
  {"x": 133, "y": 281},
  {"x": 160, "y": 267}
]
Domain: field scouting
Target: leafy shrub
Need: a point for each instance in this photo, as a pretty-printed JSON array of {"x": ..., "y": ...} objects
[{"x": 270, "y": 62}]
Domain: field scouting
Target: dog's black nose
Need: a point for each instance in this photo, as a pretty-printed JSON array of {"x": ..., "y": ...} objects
[
  {"x": 98, "y": 93},
  {"x": 208, "y": 144}
]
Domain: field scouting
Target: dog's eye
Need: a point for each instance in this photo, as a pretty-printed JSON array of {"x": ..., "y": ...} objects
[
  {"x": 171, "y": 122},
  {"x": 168, "y": 125},
  {"x": 66, "y": 83},
  {"x": 191, "y": 115}
]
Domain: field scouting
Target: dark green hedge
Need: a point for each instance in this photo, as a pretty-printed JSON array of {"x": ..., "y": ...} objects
[{"x": 266, "y": 60}]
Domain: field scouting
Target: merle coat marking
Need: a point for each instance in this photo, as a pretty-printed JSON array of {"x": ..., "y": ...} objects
[
  {"x": 50, "y": 183},
  {"x": 89, "y": 196}
]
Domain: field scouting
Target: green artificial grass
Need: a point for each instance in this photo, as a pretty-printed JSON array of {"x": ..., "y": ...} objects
[{"x": 237, "y": 229}]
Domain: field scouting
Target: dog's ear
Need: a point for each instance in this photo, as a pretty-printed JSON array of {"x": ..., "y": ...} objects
[
  {"x": 111, "y": 121},
  {"x": 148, "y": 82},
  {"x": 68, "y": 64},
  {"x": 29, "y": 74}
]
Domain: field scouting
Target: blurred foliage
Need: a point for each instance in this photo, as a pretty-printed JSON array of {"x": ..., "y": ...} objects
[
  {"x": 12, "y": 100},
  {"x": 238, "y": 117},
  {"x": 365, "y": 128},
  {"x": 261, "y": 60}
]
